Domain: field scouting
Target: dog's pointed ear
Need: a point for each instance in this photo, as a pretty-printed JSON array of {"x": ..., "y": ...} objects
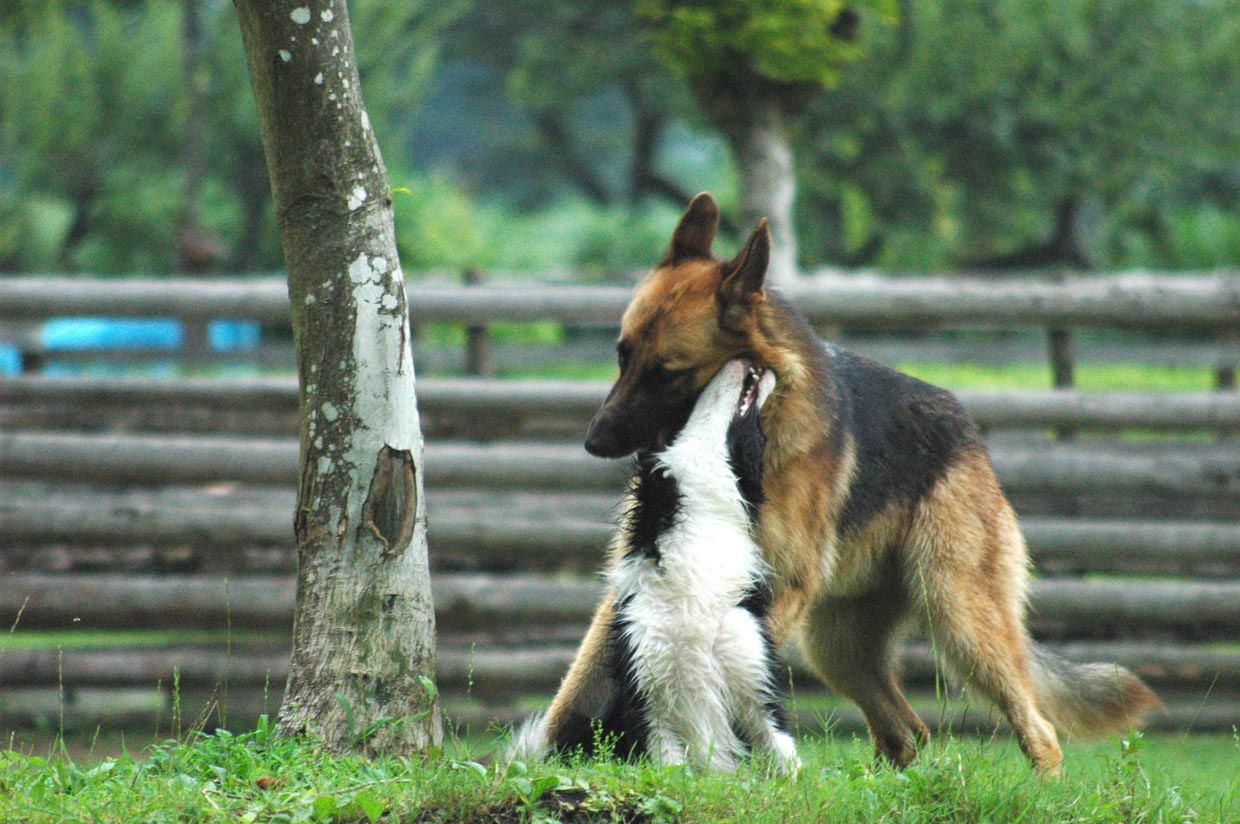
[
  {"x": 744, "y": 278},
  {"x": 695, "y": 233}
]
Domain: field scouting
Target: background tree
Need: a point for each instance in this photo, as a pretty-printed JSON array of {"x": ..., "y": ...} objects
[
  {"x": 556, "y": 60},
  {"x": 753, "y": 67},
  {"x": 363, "y": 637}
]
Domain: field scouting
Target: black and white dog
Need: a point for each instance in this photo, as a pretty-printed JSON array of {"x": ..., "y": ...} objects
[{"x": 692, "y": 673}]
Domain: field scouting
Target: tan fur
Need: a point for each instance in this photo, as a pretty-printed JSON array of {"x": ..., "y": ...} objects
[
  {"x": 969, "y": 567},
  {"x": 954, "y": 555},
  {"x": 585, "y": 688}
]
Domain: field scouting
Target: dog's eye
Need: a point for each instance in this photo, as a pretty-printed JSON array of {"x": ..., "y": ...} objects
[
  {"x": 661, "y": 370},
  {"x": 623, "y": 353}
]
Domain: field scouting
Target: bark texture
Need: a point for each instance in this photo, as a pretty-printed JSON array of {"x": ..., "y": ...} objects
[{"x": 363, "y": 638}]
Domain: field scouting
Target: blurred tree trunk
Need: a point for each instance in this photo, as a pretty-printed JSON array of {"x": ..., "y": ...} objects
[
  {"x": 198, "y": 250},
  {"x": 363, "y": 635},
  {"x": 755, "y": 114},
  {"x": 554, "y": 132},
  {"x": 768, "y": 184}
]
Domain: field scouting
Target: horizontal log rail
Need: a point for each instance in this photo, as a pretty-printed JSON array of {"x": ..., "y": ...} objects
[
  {"x": 894, "y": 347},
  {"x": 860, "y": 299},
  {"x": 1200, "y": 470},
  {"x": 266, "y": 602},
  {"x": 574, "y": 402},
  {"x": 108, "y": 601},
  {"x": 145, "y": 710},
  {"x": 494, "y": 669},
  {"x": 509, "y": 670},
  {"x": 515, "y": 529}
]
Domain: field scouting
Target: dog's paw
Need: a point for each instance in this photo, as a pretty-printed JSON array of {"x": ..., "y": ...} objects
[{"x": 784, "y": 756}]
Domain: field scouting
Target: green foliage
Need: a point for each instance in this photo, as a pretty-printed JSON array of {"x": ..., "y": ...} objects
[
  {"x": 436, "y": 224},
  {"x": 440, "y": 226},
  {"x": 974, "y": 131},
  {"x": 89, "y": 123},
  {"x": 957, "y": 136},
  {"x": 791, "y": 41},
  {"x": 563, "y": 96},
  {"x": 566, "y": 51},
  {"x": 93, "y": 158}
]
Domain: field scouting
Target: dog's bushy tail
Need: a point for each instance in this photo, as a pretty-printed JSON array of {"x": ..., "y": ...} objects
[
  {"x": 1089, "y": 699},
  {"x": 529, "y": 741}
]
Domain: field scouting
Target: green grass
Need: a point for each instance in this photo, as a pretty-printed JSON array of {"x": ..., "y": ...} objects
[
  {"x": 1094, "y": 377},
  {"x": 102, "y": 639},
  {"x": 1108, "y": 377},
  {"x": 257, "y": 777}
]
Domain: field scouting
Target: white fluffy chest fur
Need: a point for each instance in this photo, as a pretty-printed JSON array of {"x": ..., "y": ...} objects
[{"x": 706, "y": 560}]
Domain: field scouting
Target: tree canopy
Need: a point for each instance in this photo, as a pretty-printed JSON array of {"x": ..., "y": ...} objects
[
  {"x": 1097, "y": 133},
  {"x": 786, "y": 41}
]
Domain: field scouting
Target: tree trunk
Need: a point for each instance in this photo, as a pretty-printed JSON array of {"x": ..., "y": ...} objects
[
  {"x": 768, "y": 182},
  {"x": 363, "y": 633}
]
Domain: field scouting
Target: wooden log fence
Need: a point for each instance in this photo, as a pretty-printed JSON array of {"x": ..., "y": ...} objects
[
  {"x": 513, "y": 496},
  {"x": 494, "y": 353},
  {"x": 511, "y": 673},
  {"x": 1194, "y": 471},
  {"x": 531, "y": 670},
  {"x": 509, "y": 530},
  {"x": 1134, "y": 300}
]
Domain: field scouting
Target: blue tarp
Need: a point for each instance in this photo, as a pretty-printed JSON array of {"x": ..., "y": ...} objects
[
  {"x": 10, "y": 360},
  {"x": 70, "y": 334},
  {"x": 157, "y": 335}
]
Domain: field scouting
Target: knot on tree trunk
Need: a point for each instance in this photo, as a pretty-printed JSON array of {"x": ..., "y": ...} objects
[{"x": 391, "y": 505}]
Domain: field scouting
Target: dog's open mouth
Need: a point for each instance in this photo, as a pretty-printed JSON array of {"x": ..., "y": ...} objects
[{"x": 755, "y": 390}]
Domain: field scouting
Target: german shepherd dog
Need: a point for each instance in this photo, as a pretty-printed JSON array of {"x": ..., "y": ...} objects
[
  {"x": 693, "y": 674},
  {"x": 881, "y": 505}
]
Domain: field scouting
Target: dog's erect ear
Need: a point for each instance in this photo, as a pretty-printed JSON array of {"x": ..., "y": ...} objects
[
  {"x": 696, "y": 231},
  {"x": 743, "y": 279}
]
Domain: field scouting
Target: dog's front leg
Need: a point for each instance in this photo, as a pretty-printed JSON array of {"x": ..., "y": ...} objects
[{"x": 753, "y": 693}]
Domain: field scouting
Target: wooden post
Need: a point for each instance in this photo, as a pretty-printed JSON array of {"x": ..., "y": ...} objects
[
  {"x": 1225, "y": 373},
  {"x": 196, "y": 347},
  {"x": 33, "y": 360},
  {"x": 477, "y": 337},
  {"x": 1225, "y": 366},
  {"x": 1062, "y": 369}
]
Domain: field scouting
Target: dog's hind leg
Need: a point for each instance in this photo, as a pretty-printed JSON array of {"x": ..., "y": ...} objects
[
  {"x": 971, "y": 567},
  {"x": 850, "y": 643},
  {"x": 584, "y": 695}
]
